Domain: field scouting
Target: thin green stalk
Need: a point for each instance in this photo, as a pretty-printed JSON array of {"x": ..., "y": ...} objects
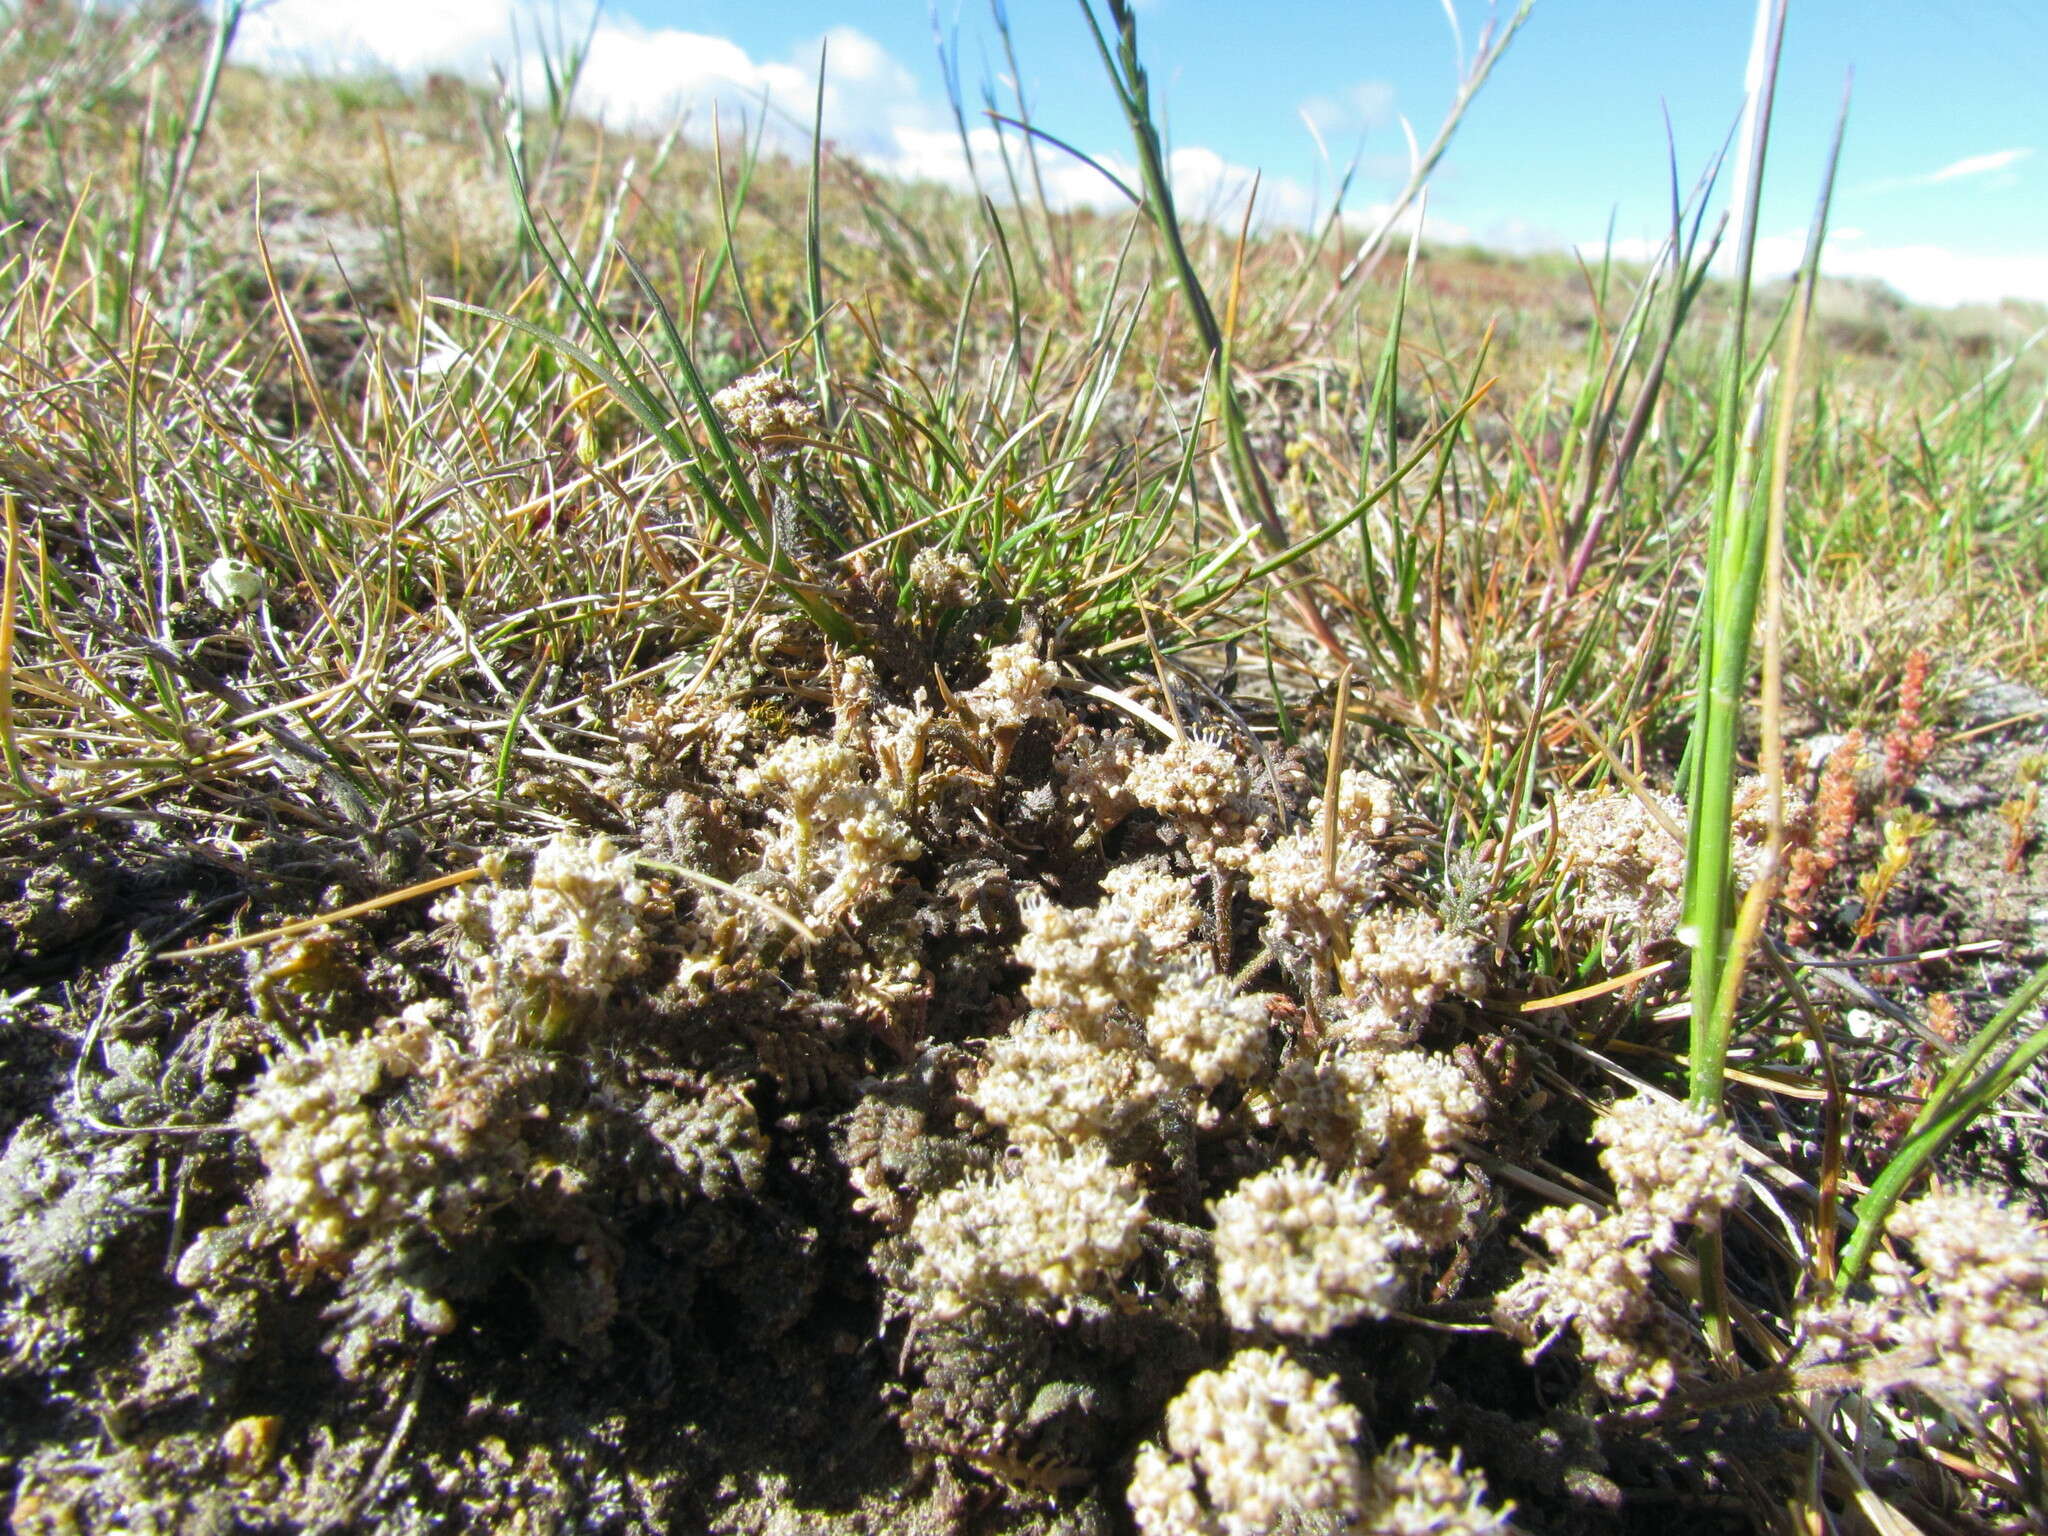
[
  {"x": 508, "y": 747},
  {"x": 814, "y": 248},
  {"x": 1133, "y": 89},
  {"x": 727, "y": 256},
  {"x": 1964, "y": 1094},
  {"x": 1440, "y": 437},
  {"x": 1058, "y": 237},
  {"x": 1755, "y": 904},
  {"x": 1735, "y": 551},
  {"x": 1492, "y": 44},
  {"x": 193, "y": 129}
]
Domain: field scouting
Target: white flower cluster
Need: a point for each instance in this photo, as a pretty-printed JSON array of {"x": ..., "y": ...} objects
[
  {"x": 1050, "y": 1084},
  {"x": 1085, "y": 965},
  {"x": 1018, "y": 688},
  {"x": 1302, "y": 1253},
  {"x": 1397, "y": 966},
  {"x": 1671, "y": 1165},
  {"x": 1096, "y": 765},
  {"x": 892, "y": 737},
  {"x": 763, "y": 407},
  {"x": 1203, "y": 789},
  {"x": 1315, "y": 900},
  {"x": 1100, "y": 973},
  {"x": 1201, "y": 1032},
  {"x": 658, "y": 731},
  {"x": 1160, "y": 904},
  {"x": 1117, "y": 1026},
  {"x": 1974, "y": 1320},
  {"x": 837, "y": 839},
  {"x": 1321, "y": 884},
  {"x": 1262, "y": 1445},
  {"x": 1628, "y": 869},
  {"x": 331, "y": 1168},
  {"x": 1053, "y": 1226},
  {"x": 1366, "y": 807},
  {"x": 1598, "y": 1281},
  {"x": 537, "y": 961},
  {"x": 1250, "y": 1448},
  {"x": 1393, "y": 1114},
  {"x": 944, "y": 577},
  {"x": 1412, "y": 1491},
  {"x": 1123, "y": 1018}
]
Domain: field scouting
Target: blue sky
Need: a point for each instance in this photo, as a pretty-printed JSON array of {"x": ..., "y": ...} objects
[{"x": 1943, "y": 190}]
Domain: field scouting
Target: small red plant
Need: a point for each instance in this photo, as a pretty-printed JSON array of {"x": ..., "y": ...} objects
[
  {"x": 1909, "y": 743},
  {"x": 1834, "y": 818}
]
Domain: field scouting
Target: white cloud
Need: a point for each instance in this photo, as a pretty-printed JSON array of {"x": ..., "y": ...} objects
[
  {"x": 406, "y": 36},
  {"x": 1640, "y": 249},
  {"x": 874, "y": 109},
  {"x": 632, "y": 74},
  {"x": 650, "y": 77},
  {"x": 1930, "y": 274},
  {"x": 1997, "y": 164},
  {"x": 1367, "y": 105},
  {"x": 1923, "y": 273},
  {"x": 1978, "y": 165}
]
